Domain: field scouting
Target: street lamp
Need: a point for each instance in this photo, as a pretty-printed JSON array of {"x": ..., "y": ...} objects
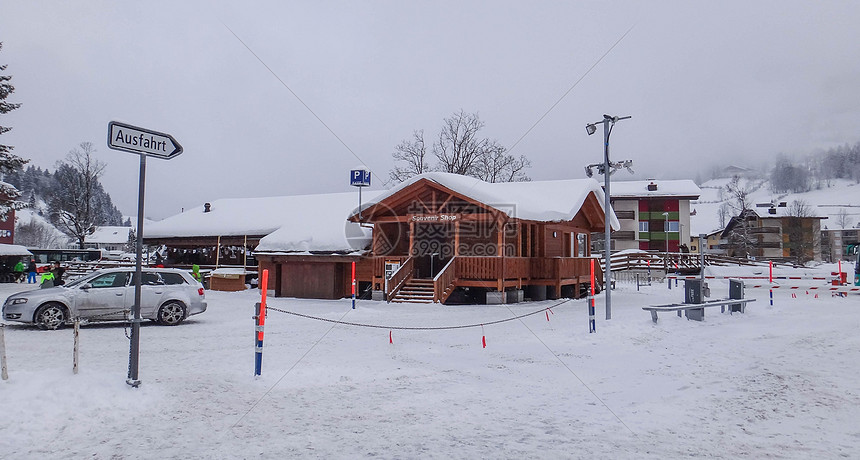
[
  {"x": 607, "y": 169},
  {"x": 666, "y": 230}
]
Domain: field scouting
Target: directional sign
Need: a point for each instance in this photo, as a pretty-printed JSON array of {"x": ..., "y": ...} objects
[
  {"x": 359, "y": 178},
  {"x": 142, "y": 141}
]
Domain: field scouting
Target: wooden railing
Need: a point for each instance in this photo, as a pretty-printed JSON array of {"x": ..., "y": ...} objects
[
  {"x": 444, "y": 280},
  {"x": 489, "y": 268},
  {"x": 669, "y": 261},
  {"x": 399, "y": 278}
]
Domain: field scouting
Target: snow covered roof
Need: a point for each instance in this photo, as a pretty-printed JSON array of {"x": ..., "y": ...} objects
[
  {"x": 14, "y": 250},
  {"x": 109, "y": 235},
  {"x": 546, "y": 201},
  {"x": 318, "y": 223},
  {"x": 292, "y": 223},
  {"x": 661, "y": 188}
]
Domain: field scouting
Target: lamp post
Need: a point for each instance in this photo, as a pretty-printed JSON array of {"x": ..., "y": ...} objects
[{"x": 606, "y": 168}]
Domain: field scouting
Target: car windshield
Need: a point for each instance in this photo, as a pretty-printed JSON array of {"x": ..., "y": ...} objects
[{"x": 81, "y": 280}]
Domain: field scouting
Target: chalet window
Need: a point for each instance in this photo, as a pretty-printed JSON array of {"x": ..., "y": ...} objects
[
  {"x": 581, "y": 244},
  {"x": 643, "y": 226}
]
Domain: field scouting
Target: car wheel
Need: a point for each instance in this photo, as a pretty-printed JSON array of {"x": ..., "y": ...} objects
[
  {"x": 50, "y": 316},
  {"x": 171, "y": 313}
]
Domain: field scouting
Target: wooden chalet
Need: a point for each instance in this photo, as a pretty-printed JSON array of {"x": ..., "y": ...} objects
[{"x": 447, "y": 238}]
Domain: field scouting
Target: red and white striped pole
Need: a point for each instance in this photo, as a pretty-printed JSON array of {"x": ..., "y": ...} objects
[
  {"x": 261, "y": 324},
  {"x": 353, "y": 284},
  {"x": 592, "y": 326},
  {"x": 770, "y": 280}
]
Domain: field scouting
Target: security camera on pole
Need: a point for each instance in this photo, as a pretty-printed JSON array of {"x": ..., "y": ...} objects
[{"x": 607, "y": 168}]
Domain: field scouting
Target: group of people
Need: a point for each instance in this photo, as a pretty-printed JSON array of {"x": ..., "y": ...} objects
[{"x": 50, "y": 278}]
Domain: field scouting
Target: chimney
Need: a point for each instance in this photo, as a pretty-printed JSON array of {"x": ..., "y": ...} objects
[
  {"x": 207, "y": 207},
  {"x": 652, "y": 187}
]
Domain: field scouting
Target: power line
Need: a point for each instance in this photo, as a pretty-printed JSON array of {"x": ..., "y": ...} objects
[
  {"x": 297, "y": 97},
  {"x": 574, "y": 374},
  {"x": 571, "y": 88}
]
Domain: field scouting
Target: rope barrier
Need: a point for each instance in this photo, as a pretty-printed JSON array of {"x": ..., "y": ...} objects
[{"x": 415, "y": 328}]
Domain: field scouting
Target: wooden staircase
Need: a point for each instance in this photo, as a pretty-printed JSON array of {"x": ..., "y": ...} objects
[{"x": 415, "y": 291}]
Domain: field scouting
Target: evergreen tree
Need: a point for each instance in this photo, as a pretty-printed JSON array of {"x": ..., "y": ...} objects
[{"x": 8, "y": 161}]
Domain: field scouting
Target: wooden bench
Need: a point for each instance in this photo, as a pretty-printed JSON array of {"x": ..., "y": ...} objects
[{"x": 696, "y": 311}]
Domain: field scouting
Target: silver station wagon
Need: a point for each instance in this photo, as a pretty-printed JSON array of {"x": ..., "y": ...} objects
[{"x": 167, "y": 296}]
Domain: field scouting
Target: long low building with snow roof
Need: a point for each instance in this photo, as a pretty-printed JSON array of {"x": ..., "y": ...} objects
[
  {"x": 227, "y": 231},
  {"x": 444, "y": 238}
]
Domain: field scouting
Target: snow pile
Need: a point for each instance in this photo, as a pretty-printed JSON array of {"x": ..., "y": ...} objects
[{"x": 775, "y": 382}]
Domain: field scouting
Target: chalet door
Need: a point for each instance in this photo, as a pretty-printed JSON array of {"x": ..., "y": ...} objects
[
  {"x": 432, "y": 248},
  {"x": 428, "y": 266}
]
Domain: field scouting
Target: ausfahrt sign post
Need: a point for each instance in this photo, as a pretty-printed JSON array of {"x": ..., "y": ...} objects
[
  {"x": 132, "y": 139},
  {"x": 143, "y": 142}
]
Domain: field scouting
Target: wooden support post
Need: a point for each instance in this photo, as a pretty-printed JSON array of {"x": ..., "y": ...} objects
[
  {"x": 457, "y": 237},
  {"x": 77, "y": 333},
  {"x": 411, "y": 237},
  {"x": 3, "y": 372}
]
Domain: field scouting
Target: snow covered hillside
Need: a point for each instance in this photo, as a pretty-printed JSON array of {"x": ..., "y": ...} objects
[
  {"x": 775, "y": 382},
  {"x": 825, "y": 202}
]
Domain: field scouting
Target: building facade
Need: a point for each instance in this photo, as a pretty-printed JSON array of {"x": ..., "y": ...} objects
[{"x": 654, "y": 215}]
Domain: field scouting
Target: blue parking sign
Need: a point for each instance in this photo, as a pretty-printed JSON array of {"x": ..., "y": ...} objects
[{"x": 359, "y": 178}]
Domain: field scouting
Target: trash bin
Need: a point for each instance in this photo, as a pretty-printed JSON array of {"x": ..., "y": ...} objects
[
  {"x": 693, "y": 294},
  {"x": 736, "y": 291}
]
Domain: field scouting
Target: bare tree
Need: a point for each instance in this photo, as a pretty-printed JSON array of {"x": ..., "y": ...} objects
[
  {"x": 414, "y": 154},
  {"x": 723, "y": 214},
  {"x": 799, "y": 208},
  {"x": 458, "y": 147},
  {"x": 460, "y": 150},
  {"x": 495, "y": 165},
  {"x": 842, "y": 219},
  {"x": 738, "y": 195},
  {"x": 72, "y": 207}
]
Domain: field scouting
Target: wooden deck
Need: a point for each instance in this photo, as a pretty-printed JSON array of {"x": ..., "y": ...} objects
[{"x": 496, "y": 273}]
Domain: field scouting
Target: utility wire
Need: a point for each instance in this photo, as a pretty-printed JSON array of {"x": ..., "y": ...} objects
[
  {"x": 571, "y": 88},
  {"x": 574, "y": 374},
  {"x": 297, "y": 97},
  {"x": 287, "y": 372}
]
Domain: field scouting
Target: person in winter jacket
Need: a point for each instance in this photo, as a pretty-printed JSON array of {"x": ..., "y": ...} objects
[
  {"x": 19, "y": 271},
  {"x": 47, "y": 279},
  {"x": 31, "y": 272},
  {"x": 58, "y": 272},
  {"x": 195, "y": 272}
]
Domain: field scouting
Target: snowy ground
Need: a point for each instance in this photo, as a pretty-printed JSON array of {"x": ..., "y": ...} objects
[{"x": 776, "y": 382}]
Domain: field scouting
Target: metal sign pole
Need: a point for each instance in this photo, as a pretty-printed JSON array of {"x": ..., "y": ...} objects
[
  {"x": 142, "y": 142},
  {"x": 134, "y": 351}
]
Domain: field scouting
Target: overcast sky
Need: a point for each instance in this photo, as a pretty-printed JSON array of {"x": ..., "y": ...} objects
[{"x": 705, "y": 82}]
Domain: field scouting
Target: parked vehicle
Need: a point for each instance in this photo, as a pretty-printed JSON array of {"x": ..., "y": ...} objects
[{"x": 168, "y": 296}]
